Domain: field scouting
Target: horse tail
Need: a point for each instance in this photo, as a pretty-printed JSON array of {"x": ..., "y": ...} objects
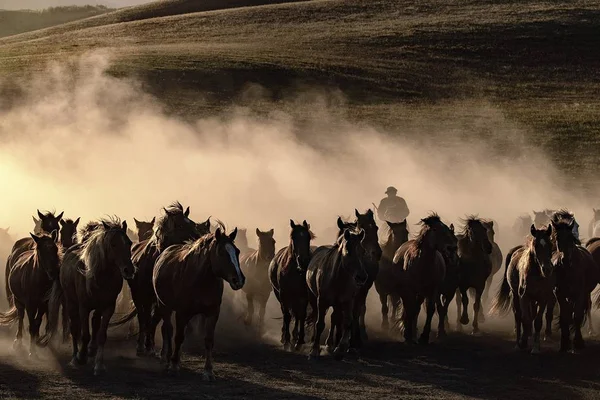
[
  {"x": 126, "y": 318},
  {"x": 55, "y": 301},
  {"x": 10, "y": 316},
  {"x": 501, "y": 303}
]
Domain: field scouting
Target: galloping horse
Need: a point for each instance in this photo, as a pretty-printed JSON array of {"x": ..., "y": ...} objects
[
  {"x": 474, "y": 249},
  {"x": 529, "y": 281},
  {"x": 188, "y": 280},
  {"x": 48, "y": 224},
  {"x": 144, "y": 229},
  {"x": 255, "y": 265},
  {"x": 91, "y": 278},
  {"x": 334, "y": 277},
  {"x": 388, "y": 275},
  {"x": 287, "y": 274},
  {"x": 30, "y": 279},
  {"x": 174, "y": 227}
]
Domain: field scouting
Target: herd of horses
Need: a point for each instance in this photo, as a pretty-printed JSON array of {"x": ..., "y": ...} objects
[{"x": 173, "y": 265}]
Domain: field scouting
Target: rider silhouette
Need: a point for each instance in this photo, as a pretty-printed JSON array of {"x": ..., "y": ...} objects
[{"x": 392, "y": 208}]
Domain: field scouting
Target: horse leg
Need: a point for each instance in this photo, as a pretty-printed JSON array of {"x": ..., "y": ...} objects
[
  {"x": 249, "y": 309},
  {"x": 346, "y": 318},
  {"x": 591, "y": 331},
  {"x": 167, "y": 336},
  {"x": 96, "y": 320},
  {"x": 486, "y": 290},
  {"x": 566, "y": 315},
  {"x": 320, "y": 325},
  {"x": 362, "y": 313},
  {"x": 516, "y": 306},
  {"x": 21, "y": 316},
  {"x": 106, "y": 314},
  {"x": 301, "y": 318},
  {"x": 84, "y": 318},
  {"x": 181, "y": 321},
  {"x": 261, "y": 315},
  {"x": 32, "y": 316},
  {"x": 579, "y": 315},
  {"x": 356, "y": 329},
  {"x": 151, "y": 325},
  {"x": 527, "y": 320},
  {"x": 209, "y": 341},
  {"x": 141, "y": 317},
  {"x": 458, "y": 300},
  {"x": 383, "y": 298},
  {"x": 464, "y": 318},
  {"x": 424, "y": 339},
  {"x": 549, "y": 317},
  {"x": 331, "y": 340},
  {"x": 476, "y": 310},
  {"x": 75, "y": 327},
  {"x": 539, "y": 319},
  {"x": 285, "y": 330},
  {"x": 442, "y": 314}
]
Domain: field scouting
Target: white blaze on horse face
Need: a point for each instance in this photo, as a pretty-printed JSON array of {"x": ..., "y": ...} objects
[
  {"x": 231, "y": 251},
  {"x": 542, "y": 242}
]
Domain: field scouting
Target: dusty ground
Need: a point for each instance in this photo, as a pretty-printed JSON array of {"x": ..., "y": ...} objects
[{"x": 463, "y": 366}]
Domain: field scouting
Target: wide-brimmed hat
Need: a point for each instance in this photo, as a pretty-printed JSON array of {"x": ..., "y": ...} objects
[{"x": 391, "y": 189}]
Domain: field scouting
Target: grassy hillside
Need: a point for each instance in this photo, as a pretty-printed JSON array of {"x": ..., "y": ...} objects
[
  {"x": 15, "y": 22},
  {"x": 537, "y": 62}
]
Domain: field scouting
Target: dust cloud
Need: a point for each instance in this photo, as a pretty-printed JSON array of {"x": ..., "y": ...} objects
[{"x": 91, "y": 144}]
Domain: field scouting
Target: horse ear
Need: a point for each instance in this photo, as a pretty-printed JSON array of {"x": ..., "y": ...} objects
[
  {"x": 187, "y": 212},
  {"x": 76, "y": 222},
  {"x": 271, "y": 232},
  {"x": 532, "y": 230},
  {"x": 218, "y": 234},
  {"x": 347, "y": 234},
  {"x": 105, "y": 225},
  {"x": 305, "y": 224},
  {"x": 292, "y": 224},
  {"x": 233, "y": 234},
  {"x": 124, "y": 226},
  {"x": 61, "y": 222},
  {"x": 370, "y": 212},
  {"x": 137, "y": 223},
  {"x": 59, "y": 216},
  {"x": 35, "y": 238},
  {"x": 40, "y": 214},
  {"x": 356, "y": 213},
  {"x": 207, "y": 222},
  {"x": 451, "y": 227},
  {"x": 258, "y": 232},
  {"x": 153, "y": 219},
  {"x": 54, "y": 235},
  {"x": 35, "y": 220},
  {"x": 340, "y": 223}
]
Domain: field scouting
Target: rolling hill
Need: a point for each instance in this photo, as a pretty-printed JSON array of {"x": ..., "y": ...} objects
[{"x": 537, "y": 62}]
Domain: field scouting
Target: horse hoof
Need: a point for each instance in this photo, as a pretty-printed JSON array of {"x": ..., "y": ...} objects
[
  {"x": 99, "y": 370},
  {"x": 535, "y": 350},
  {"x": 287, "y": 346},
  {"x": 464, "y": 320},
  {"x": 314, "y": 354},
  {"x": 423, "y": 340},
  {"x": 208, "y": 376},
  {"x": 329, "y": 349},
  {"x": 298, "y": 346},
  {"x": 476, "y": 332}
]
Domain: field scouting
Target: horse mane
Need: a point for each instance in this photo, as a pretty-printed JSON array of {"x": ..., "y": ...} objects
[
  {"x": 95, "y": 249},
  {"x": 562, "y": 215},
  {"x": 469, "y": 223},
  {"x": 523, "y": 265},
  {"x": 193, "y": 251},
  {"x": 432, "y": 219},
  {"x": 164, "y": 225},
  {"x": 88, "y": 230},
  {"x": 414, "y": 248}
]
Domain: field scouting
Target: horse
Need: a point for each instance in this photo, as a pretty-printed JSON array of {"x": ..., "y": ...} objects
[
  {"x": 188, "y": 280},
  {"x": 287, "y": 274},
  {"x": 30, "y": 279},
  {"x": 334, "y": 277},
  {"x": 172, "y": 228},
  {"x": 255, "y": 265},
  {"x": 68, "y": 232},
  {"x": 594, "y": 226},
  {"x": 474, "y": 250},
  {"x": 495, "y": 258},
  {"x": 529, "y": 280},
  {"x": 542, "y": 218},
  {"x": 576, "y": 275},
  {"x": 388, "y": 275},
  {"x": 144, "y": 229},
  {"x": 521, "y": 226},
  {"x": 6, "y": 242},
  {"x": 48, "y": 224},
  {"x": 91, "y": 278},
  {"x": 203, "y": 228}
]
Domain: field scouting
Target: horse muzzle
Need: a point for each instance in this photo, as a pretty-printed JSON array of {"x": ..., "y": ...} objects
[{"x": 237, "y": 284}]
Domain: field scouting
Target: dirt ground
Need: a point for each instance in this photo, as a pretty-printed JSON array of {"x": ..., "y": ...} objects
[{"x": 462, "y": 366}]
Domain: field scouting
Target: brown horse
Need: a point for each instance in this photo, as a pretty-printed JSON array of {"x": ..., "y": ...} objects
[
  {"x": 334, "y": 277},
  {"x": 68, "y": 232},
  {"x": 91, "y": 278},
  {"x": 474, "y": 250},
  {"x": 594, "y": 223},
  {"x": 174, "y": 227},
  {"x": 30, "y": 280},
  {"x": 529, "y": 281},
  {"x": 242, "y": 241},
  {"x": 144, "y": 229},
  {"x": 424, "y": 270},
  {"x": 389, "y": 275},
  {"x": 287, "y": 274},
  {"x": 188, "y": 280},
  {"x": 577, "y": 275},
  {"x": 495, "y": 258},
  {"x": 255, "y": 265},
  {"x": 48, "y": 224}
]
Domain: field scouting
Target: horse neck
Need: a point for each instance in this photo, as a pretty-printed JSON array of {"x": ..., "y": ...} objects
[
  {"x": 40, "y": 263},
  {"x": 199, "y": 265},
  {"x": 261, "y": 253}
]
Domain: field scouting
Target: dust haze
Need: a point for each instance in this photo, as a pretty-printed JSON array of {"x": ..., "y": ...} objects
[{"x": 90, "y": 144}]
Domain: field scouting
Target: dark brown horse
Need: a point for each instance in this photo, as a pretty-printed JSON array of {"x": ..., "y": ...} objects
[
  {"x": 255, "y": 265},
  {"x": 287, "y": 273},
  {"x": 576, "y": 275},
  {"x": 203, "y": 228},
  {"x": 424, "y": 270},
  {"x": 474, "y": 249},
  {"x": 48, "y": 224},
  {"x": 30, "y": 279},
  {"x": 68, "y": 232},
  {"x": 334, "y": 277},
  {"x": 389, "y": 275},
  {"x": 144, "y": 229},
  {"x": 91, "y": 278},
  {"x": 528, "y": 285},
  {"x": 188, "y": 280},
  {"x": 172, "y": 228}
]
